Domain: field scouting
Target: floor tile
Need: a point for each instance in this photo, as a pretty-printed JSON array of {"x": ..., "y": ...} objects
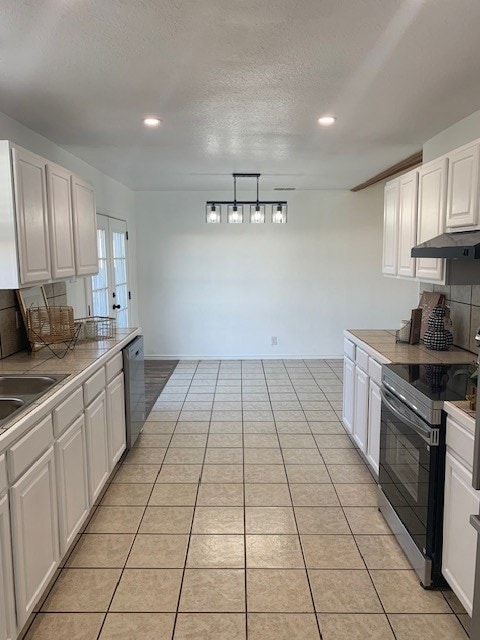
[
  {"x": 270, "y": 520},
  {"x": 224, "y": 455},
  {"x": 341, "y": 457},
  {"x": 331, "y": 552},
  {"x": 278, "y": 626},
  {"x": 357, "y": 495},
  {"x": 262, "y": 495},
  {"x": 382, "y": 552},
  {"x": 218, "y": 520},
  {"x": 321, "y": 520},
  {"x": 136, "y": 473},
  {"x": 350, "y": 473},
  {"x": 184, "y": 455},
  {"x": 302, "y": 456},
  {"x": 265, "y": 473},
  {"x": 115, "y": 520},
  {"x": 260, "y": 441},
  {"x": 82, "y": 590},
  {"x": 213, "y": 590},
  {"x": 65, "y": 626},
  {"x": 176, "y": 494},
  {"x": 278, "y": 590},
  {"x": 366, "y": 520},
  {"x": 158, "y": 552},
  {"x": 147, "y": 590},
  {"x": 138, "y": 626},
  {"x": 400, "y": 592},
  {"x": 210, "y": 626},
  {"x": 274, "y": 552},
  {"x": 427, "y": 627},
  {"x": 314, "y": 495},
  {"x": 220, "y": 495},
  {"x": 333, "y": 441},
  {"x": 227, "y": 440},
  {"x": 154, "y": 455},
  {"x": 167, "y": 520},
  {"x": 101, "y": 551},
  {"x": 152, "y": 440},
  {"x": 182, "y": 473},
  {"x": 297, "y": 441},
  {"x": 263, "y": 456},
  {"x": 131, "y": 495},
  {"x": 216, "y": 551},
  {"x": 311, "y": 473},
  {"x": 222, "y": 473},
  {"x": 347, "y": 591},
  {"x": 335, "y": 626}
]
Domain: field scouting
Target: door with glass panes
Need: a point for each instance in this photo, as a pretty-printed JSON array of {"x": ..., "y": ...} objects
[{"x": 109, "y": 288}]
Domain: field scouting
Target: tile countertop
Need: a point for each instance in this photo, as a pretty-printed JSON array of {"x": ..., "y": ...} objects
[{"x": 78, "y": 365}]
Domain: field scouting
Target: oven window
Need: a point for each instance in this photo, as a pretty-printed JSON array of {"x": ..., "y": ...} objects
[{"x": 403, "y": 459}]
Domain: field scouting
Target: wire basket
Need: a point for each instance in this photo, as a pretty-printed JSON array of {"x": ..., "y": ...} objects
[
  {"x": 97, "y": 328},
  {"x": 47, "y": 326}
]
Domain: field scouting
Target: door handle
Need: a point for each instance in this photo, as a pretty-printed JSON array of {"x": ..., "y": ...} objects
[{"x": 116, "y": 306}]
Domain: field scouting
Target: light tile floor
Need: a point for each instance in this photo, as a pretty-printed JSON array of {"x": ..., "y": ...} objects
[{"x": 243, "y": 511}]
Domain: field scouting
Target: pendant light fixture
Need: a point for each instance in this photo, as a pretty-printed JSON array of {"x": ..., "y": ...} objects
[{"x": 235, "y": 208}]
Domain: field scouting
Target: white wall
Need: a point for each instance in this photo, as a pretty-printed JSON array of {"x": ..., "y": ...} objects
[
  {"x": 112, "y": 198},
  {"x": 225, "y": 290},
  {"x": 460, "y": 133}
]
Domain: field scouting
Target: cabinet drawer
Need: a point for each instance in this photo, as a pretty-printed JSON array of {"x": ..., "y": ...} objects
[
  {"x": 114, "y": 366},
  {"x": 65, "y": 413},
  {"x": 362, "y": 359},
  {"x": 460, "y": 441},
  {"x": 349, "y": 348},
  {"x": 3, "y": 474},
  {"x": 24, "y": 452},
  {"x": 375, "y": 371},
  {"x": 94, "y": 385}
]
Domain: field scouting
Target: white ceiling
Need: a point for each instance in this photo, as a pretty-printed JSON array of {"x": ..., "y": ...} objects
[{"x": 239, "y": 84}]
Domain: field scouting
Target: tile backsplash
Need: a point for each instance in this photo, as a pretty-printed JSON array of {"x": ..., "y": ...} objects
[
  {"x": 13, "y": 338},
  {"x": 464, "y": 303}
]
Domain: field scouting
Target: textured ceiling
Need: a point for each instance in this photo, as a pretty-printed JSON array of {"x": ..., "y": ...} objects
[{"x": 239, "y": 84}]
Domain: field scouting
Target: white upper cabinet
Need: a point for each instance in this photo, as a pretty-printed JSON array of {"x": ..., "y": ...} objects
[
  {"x": 463, "y": 184},
  {"x": 407, "y": 223},
  {"x": 432, "y": 196},
  {"x": 60, "y": 221},
  {"x": 390, "y": 228},
  {"x": 31, "y": 216},
  {"x": 85, "y": 227}
]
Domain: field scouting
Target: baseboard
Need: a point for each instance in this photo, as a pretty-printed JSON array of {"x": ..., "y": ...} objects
[{"x": 151, "y": 356}]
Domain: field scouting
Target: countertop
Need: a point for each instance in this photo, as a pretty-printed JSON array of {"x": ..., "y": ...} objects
[{"x": 77, "y": 364}]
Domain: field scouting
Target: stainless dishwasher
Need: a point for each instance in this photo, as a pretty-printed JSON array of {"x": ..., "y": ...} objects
[{"x": 134, "y": 370}]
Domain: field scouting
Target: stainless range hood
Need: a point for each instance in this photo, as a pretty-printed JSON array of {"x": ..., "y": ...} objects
[{"x": 463, "y": 245}]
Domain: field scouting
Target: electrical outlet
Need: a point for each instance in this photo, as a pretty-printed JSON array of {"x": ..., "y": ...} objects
[{"x": 274, "y": 341}]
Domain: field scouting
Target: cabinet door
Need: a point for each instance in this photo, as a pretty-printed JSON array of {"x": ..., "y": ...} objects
[
  {"x": 97, "y": 445},
  {"x": 117, "y": 433},
  {"x": 390, "y": 228},
  {"x": 7, "y": 606},
  {"x": 432, "y": 197},
  {"x": 459, "y": 537},
  {"x": 407, "y": 224},
  {"x": 360, "y": 421},
  {"x": 374, "y": 419},
  {"x": 348, "y": 393},
  {"x": 85, "y": 227},
  {"x": 463, "y": 184},
  {"x": 34, "y": 533},
  {"x": 72, "y": 481},
  {"x": 31, "y": 216},
  {"x": 61, "y": 221}
]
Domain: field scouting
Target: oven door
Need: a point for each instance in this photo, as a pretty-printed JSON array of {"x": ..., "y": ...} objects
[{"x": 408, "y": 470}]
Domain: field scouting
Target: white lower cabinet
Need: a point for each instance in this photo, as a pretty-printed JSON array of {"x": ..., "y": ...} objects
[
  {"x": 97, "y": 445},
  {"x": 34, "y": 533},
  {"x": 72, "y": 481},
  {"x": 459, "y": 537},
  {"x": 117, "y": 433},
  {"x": 348, "y": 393},
  {"x": 360, "y": 420},
  {"x": 7, "y": 605},
  {"x": 374, "y": 420}
]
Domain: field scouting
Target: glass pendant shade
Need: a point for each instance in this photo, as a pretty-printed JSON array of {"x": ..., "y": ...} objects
[
  {"x": 257, "y": 213},
  {"x": 235, "y": 213},
  {"x": 279, "y": 214},
  {"x": 213, "y": 213}
]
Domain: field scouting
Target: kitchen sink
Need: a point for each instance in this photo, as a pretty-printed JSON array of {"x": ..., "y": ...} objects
[
  {"x": 25, "y": 385},
  {"x": 9, "y": 406},
  {"x": 20, "y": 390}
]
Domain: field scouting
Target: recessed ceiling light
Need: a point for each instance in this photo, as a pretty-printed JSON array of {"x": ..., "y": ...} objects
[
  {"x": 151, "y": 122},
  {"x": 327, "y": 120}
]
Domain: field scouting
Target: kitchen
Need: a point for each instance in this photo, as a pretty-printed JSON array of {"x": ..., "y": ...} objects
[{"x": 246, "y": 505}]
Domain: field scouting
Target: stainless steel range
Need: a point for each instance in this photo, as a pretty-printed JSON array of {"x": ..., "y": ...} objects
[{"x": 412, "y": 457}]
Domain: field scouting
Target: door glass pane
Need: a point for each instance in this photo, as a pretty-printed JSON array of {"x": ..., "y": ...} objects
[
  {"x": 100, "y": 281},
  {"x": 120, "y": 276}
]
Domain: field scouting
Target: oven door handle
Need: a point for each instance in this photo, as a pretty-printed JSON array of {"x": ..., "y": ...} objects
[{"x": 406, "y": 415}]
